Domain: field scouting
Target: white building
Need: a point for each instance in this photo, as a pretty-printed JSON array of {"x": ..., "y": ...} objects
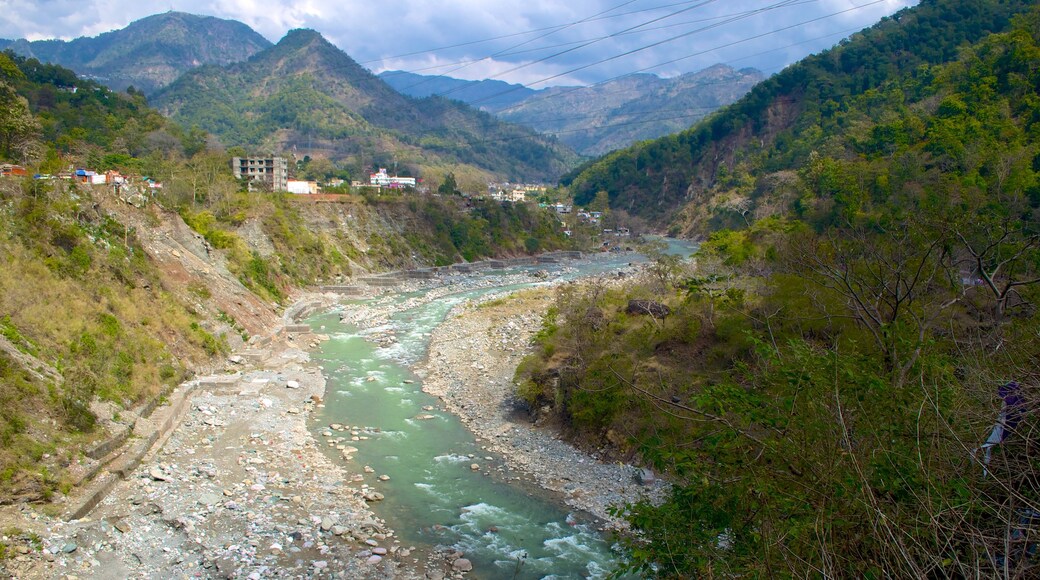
[
  {"x": 382, "y": 179},
  {"x": 301, "y": 187}
]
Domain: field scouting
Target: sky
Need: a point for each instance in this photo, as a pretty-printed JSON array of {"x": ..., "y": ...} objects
[{"x": 539, "y": 43}]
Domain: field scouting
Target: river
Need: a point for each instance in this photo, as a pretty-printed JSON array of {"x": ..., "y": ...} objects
[{"x": 504, "y": 525}]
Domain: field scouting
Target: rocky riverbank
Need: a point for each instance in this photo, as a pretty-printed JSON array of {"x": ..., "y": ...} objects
[
  {"x": 472, "y": 358},
  {"x": 239, "y": 490}
]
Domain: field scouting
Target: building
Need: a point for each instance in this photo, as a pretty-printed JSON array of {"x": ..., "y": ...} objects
[
  {"x": 302, "y": 187},
  {"x": 382, "y": 179},
  {"x": 8, "y": 170},
  {"x": 270, "y": 173}
]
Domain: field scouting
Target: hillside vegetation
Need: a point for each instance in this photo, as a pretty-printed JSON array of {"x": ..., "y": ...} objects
[
  {"x": 305, "y": 93},
  {"x": 109, "y": 296},
  {"x": 149, "y": 53},
  {"x": 721, "y": 161},
  {"x": 823, "y": 382}
]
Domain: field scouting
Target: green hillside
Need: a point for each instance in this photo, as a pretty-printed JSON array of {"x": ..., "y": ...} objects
[
  {"x": 782, "y": 119},
  {"x": 823, "y": 382},
  {"x": 305, "y": 93},
  {"x": 110, "y": 295},
  {"x": 151, "y": 52}
]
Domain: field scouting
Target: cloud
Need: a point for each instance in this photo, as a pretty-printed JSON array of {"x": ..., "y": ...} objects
[{"x": 580, "y": 41}]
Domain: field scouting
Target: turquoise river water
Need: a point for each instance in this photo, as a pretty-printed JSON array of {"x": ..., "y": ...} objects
[{"x": 507, "y": 528}]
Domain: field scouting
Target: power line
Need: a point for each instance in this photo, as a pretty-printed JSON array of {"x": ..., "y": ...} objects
[
  {"x": 514, "y": 34},
  {"x": 644, "y": 47},
  {"x": 658, "y": 65},
  {"x": 573, "y": 42},
  {"x": 594, "y": 41},
  {"x": 691, "y": 115},
  {"x": 500, "y": 53}
]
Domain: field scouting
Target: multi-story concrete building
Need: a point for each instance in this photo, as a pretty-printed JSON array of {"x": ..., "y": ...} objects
[{"x": 268, "y": 172}]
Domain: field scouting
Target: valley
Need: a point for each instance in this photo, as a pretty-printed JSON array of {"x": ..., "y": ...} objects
[{"x": 267, "y": 313}]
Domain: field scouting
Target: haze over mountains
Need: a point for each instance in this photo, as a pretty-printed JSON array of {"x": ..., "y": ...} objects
[{"x": 600, "y": 118}]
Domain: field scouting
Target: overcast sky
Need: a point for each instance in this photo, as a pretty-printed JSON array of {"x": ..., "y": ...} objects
[{"x": 535, "y": 42}]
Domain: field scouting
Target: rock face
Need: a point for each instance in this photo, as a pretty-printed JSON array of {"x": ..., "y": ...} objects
[{"x": 643, "y": 307}]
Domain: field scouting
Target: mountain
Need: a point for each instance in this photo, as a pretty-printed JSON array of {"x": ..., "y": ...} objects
[
  {"x": 858, "y": 320},
  {"x": 783, "y": 119},
  {"x": 149, "y": 53},
  {"x": 487, "y": 94},
  {"x": 305, "y": 94},
  {"x": 600, "y": 118}
]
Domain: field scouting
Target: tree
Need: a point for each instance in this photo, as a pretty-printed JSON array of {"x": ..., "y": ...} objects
[
  {"x": 19, "y": 129},
  {"x": 449, "y": 186}
]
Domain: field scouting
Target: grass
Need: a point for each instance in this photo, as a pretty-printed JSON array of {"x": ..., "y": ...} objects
[{"x": 96, "y": 312}]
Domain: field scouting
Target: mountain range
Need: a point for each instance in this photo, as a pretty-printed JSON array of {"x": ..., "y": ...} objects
[
  {"x": 149, "y": 53},
  {"x": 600, "y": 118},
  {"x": 304, "y": 94},
  {"x": 742, "y": 152},
  {"x": 488, "y": 94}
]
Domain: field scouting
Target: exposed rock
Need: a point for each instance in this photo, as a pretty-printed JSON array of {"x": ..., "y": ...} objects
[
  {"x": 462, "y": 565},
  {"x": 644, "y": 307},
  {"x": 645, "y": 476}
]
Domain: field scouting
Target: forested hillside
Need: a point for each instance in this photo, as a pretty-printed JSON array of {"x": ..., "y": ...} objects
[
  {"x": 782, "y": 119},
  {"x": 306, "y": 93},
  {"x": 823, "y": 384},
  {"x": 149, "y": 53}
]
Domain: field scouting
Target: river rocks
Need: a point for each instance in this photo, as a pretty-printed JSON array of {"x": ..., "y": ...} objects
[
  {"x": 233, "y": 482},
  {"x": 208, "y": 499},
  {"x": 462, "y": 565},
  {"x": 471, "y": 362}
]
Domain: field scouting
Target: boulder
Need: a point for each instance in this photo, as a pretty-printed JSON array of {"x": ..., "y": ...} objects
[{"x": 644, "y": 307}]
